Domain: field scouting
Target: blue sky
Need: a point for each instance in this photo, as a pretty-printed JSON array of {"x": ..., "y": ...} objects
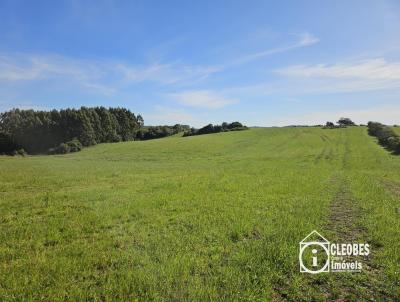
[{"x": 263, "y": 63}]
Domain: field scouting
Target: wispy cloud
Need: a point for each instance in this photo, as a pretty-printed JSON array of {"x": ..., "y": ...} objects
[
  {"x": 366, "y": 75},
  {"x": 97, "y": 75},
  {"x": 172, "y": 73},
  {"x": 203, "y": 99},
  {"x": 23, "y": 67},
  {"x": 376, "y": 69},
  {"x": 10, "y": 71},
  {"x": 100, "y": 88},
  {"x": 303, "y": 40},
  {"x": 106, "y": 76},
  {"x": 30, "y": 67}
]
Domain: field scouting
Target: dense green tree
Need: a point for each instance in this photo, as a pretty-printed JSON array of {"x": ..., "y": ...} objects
[
  {"x": 329, "y": 125},
  {"x": 127, "y": 123},
  {"x": 39, "y": 131},
  {"x": 345, "y": 121},
  {"x": 234, "y": 125}
]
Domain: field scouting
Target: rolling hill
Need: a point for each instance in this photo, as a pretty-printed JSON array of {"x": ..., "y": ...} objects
[{"x": 212, "y": 217}]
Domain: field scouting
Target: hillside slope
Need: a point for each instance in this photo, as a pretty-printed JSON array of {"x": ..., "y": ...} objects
[{"x": 211, "y": 217}]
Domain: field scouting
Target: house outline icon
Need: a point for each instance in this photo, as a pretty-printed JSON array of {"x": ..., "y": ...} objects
[{"x": 304, "y": 244}]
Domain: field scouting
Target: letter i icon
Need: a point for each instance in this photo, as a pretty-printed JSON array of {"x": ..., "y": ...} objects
[{"x": 314, "y": 258}]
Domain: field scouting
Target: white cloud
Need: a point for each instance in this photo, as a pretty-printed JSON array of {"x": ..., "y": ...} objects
[
  {"x": 102, "y": 89},
  {"x": 306, "y": 39},
  {"x": 171, "y": 73},
  {"x": 35, "y": 67},
  {"x": 303, "y": 40},
  {"x": 88, "y": 75},
  {"x": 12, "y": 72},
  {"x": 203, "y": 99},
  {"x": 373, "y": 69},
  {"x": 105, "y": 76},
  {"x": 356, "y": 76},
  {"x": 98, "y": 75}
]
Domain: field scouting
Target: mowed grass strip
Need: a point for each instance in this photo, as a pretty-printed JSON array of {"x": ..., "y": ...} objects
[{"x": 212, "y": 217}]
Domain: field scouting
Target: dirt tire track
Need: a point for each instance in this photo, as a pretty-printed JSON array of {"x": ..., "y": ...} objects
[
  {"x": 344, "y": 222},
  {"x": 320, "y": 155}
]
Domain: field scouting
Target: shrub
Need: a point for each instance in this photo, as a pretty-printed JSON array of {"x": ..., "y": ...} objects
[
  {"x": 74, "y": 145},
  {"x": 21, "y": 152},
  {"x": 64, "y": 148},
  {"x": 394, "y": 143},
  {"x": 385, "y": 135}
]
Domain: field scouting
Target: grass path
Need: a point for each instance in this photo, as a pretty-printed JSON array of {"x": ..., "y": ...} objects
[{"x": 344, "y": 222}]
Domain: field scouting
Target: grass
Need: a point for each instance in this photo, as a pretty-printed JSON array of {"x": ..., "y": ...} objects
[
  {"x": 397, "y": 130},
  {"x": 213, "y": 217}
]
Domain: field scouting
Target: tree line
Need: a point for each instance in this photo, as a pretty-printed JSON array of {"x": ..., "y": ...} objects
[
  {"x": 67, "y": 130},
  {"x": 152, "y": 132},
  {"x": 386, "y": 136},
  {"x": 210, "y": 128},
  {"x": 70, "y": 130}
]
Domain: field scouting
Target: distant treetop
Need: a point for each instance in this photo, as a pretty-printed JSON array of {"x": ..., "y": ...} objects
[{"x": 345, "y": 121}]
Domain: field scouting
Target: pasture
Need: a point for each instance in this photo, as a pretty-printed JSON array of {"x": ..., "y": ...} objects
[{"x": 203, "y": 218}]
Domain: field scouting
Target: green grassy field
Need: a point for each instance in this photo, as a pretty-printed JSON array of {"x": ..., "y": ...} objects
[{"x": 205, "y": 218}]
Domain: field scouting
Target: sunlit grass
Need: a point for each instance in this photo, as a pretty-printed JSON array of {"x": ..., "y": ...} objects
[{"x": 212, "y": 217}]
